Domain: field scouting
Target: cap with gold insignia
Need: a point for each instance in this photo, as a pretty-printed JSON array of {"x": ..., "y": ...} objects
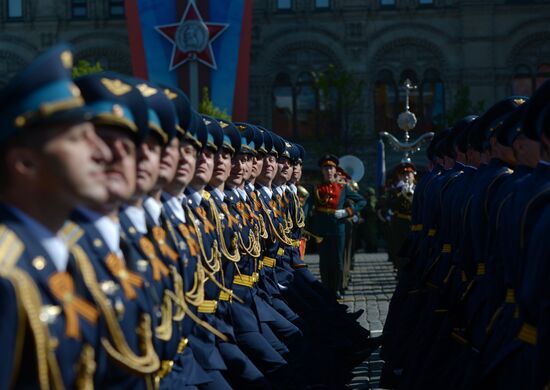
[
  {"x": 115, "y": 102},
  {"x": 485, "y": 126},
  {"x": 231, "y": 137},
  {"x": 246, "y": 132},
  {"x": 162, "y": 113},
  {"x": 511, "y": 127},
  {"x": 42, "y": 94},
  {"x": 184, "y": 112}
]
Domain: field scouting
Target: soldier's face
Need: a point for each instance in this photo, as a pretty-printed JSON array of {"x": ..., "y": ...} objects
[
  {"x": 328, "y": 172},
  {"x": 236, "y": 177},
  {"x": 270, "y": 167},
  {"x": 257, "y": 165},
  {"x": 205, "y": 167},
  {"x": 148, "y": 160},
  {"x": 247, "y": 174},
  {"x": 121, "y": 170},
  {"x": 297, "y": 173},
  {"x": 186, "y": 165},
  {"x": 284, "y": 169},
  {"x": 222, "y": 168},
  {"x": 169, "y": 159},
  {"x": 72, "y": 163}
]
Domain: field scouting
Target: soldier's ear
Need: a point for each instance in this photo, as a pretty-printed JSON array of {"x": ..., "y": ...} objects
[{"x": 22, "y": 161}]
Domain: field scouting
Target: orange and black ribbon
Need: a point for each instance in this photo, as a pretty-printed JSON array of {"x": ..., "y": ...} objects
[
  {"x": 242, "y": 212},
  {"x": 255, "y": 201},
  {"x": 61, "y": 285},
  {"x": 276, "y": 211},
  {"x": 231, "y": 220},
  {"x": 128, "y": 279},
  {"x": 208, "y": 227},
  {"x": 159, "y": 234},
  {"x": 190, "y": 239},
  {"x": 157, "y": 265}
]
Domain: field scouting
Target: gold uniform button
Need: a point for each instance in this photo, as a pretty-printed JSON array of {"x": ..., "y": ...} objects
[
  {"x": 39, "y": 263},
  {"x": 98, "y": 243}
]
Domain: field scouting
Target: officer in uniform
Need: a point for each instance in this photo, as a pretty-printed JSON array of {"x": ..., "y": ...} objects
[
  {"x": 113, "y": 273},
  {"x": 329, "y": 213},
  {"x": 51, "y": 161}
]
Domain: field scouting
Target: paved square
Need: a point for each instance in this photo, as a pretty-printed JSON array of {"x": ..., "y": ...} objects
[{"x": 371, "y": 288}]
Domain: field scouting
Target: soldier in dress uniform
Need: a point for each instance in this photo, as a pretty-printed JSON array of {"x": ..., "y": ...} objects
[
  {"x": 51, "y": 161},
  {"x": 114, "y": 273},
  {"x": 329, "y": 213}
]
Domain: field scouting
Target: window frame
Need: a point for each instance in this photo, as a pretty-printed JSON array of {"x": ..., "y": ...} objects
[
  {"x": 79, "y": 4},
  {"x": 280, "y": 9},
  {"x": 322, "y": 7},
  {"x": 115, "y": 3},
  {"x": 15, "y": 18}
]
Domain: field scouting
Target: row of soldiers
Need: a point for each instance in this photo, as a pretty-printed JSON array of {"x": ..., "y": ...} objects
[
  {"x": 143, "y": 245},
  {"x": 471, "y": 309}
]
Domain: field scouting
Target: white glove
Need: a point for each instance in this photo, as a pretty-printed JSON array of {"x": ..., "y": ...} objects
[{"x": 339, "y": 214}]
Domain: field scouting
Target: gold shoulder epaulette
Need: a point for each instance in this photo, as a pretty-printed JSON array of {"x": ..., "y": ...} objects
[
  {"x": 71, "y": 232},
  {"x": 11, "y": 248}
]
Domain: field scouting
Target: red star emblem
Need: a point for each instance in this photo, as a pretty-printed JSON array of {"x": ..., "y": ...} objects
[{"x": 192, "y": 38}]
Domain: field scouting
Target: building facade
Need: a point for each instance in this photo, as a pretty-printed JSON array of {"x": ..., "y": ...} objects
[{"x": 493, "y": 47}]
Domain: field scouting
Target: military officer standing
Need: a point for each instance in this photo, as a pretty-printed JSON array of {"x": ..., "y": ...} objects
[{"x": 328, "y": 222}]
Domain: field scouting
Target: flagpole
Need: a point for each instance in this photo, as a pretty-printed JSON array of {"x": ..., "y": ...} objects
[{"x": 194, "y": 83}]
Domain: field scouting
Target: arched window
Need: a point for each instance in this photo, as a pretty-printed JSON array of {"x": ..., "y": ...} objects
[
  {"x": 427, "y": 101},
  {"x": 15, "y": 9},
  {"x": 433, "y": 100},
  {"x": 306, "y": 103},
  {"x": 283, "y": 104},
  {"x": 385, "y": 93},
  {"x": 522, "y": 84}
]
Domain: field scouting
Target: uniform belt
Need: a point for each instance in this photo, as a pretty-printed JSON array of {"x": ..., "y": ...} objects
[
  {"x": 403, "y": 216},
  {"x": 244, "y": 280},
  {"x": 417, "y": 227},
  {"x": 208, "y": 306},
  {"x": 510, "y": 296},
  {"x": 480, "y": 269},
  {"x": 447, "y": 248},
  {"x": 269, "y": 261},
  {"x": 431, "y": 232},
  {"x": 528, "y": 334},
  {"x": 226, "y": 296},
  {"x": 325, "y": 210}
]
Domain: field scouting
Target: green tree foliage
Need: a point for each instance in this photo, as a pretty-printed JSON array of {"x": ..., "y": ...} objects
[
  {"x": 207, "y": 107},
  {"x": 84, "y": 67},
  {"x": 463, "y": 106}
]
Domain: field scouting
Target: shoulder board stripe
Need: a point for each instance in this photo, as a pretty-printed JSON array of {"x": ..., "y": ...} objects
[
  {"x": 11, "y": 248},
  {"x": 71, "y": 232}
]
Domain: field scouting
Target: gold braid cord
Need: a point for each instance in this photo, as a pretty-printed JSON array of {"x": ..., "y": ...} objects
[
  {"x": 121, "y": 352},
  {"x": 86, "y": 369},
  {"x": 212, "y": 263},
  {"x": 195, "y": 295},
  {"x": 164, "y": 330},
  {"x": 28, "y": 298},
  {"x": 279, "y": 235},
  {"x": 235, "y": 256},
  {"x": 196, "y": 319},
  {"x": 298, "y": 212}
]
